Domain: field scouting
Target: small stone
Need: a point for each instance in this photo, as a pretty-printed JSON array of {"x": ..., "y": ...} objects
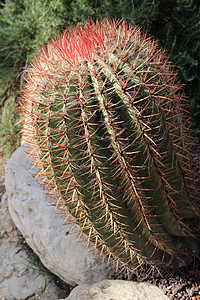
[
  {"x": 179, "y": 295},
  {"x": 191, "y": 293},
  {"x": 169, "y": 287},
  {"x": 8, "y": 226}
]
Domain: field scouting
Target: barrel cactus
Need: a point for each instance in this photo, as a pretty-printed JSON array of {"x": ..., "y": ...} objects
[{"x": 107, "y": 124}]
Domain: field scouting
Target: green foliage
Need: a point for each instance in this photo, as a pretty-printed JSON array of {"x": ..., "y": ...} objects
[
  {"x": 82, "y": 9},
  {"x": 176, "y": 25},
  {"x": 107, "y": 122},
  {"x": 24, "y": 26},
  {"x": 8, "y": 128}
]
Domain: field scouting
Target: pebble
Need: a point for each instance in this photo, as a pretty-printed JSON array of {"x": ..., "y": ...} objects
[
  {"x": 180, "y": 287},
  {"x": 8, "y": 226}
]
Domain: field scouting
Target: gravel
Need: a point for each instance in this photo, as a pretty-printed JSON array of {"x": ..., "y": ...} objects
[{"x": 185, "y": 286}]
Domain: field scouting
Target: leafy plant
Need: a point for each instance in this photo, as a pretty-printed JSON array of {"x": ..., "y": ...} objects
[
  {"x": 9, "y": 126},
  {"x": 108, "y": 125},
  {"x": 176, "y": 25},
  {"x": 25, "y": 25}
]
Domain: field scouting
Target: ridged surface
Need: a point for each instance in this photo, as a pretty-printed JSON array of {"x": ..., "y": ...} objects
[{"x": 109, "y": 128}]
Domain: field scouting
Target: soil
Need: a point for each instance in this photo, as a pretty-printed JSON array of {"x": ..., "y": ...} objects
[{"x": 182, "y": 284}]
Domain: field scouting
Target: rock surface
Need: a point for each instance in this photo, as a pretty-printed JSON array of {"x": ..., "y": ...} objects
[
  {"x": 57, "y": 245},
  {"x": 117, "y": 290},
  {"x": 19, "y": 278}
]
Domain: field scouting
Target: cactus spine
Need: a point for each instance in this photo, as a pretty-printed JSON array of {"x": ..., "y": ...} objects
[{"x": 107, "y": 122}]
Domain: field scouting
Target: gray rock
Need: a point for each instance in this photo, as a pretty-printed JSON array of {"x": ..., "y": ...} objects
[
  {"x": 57, "y": 245},
  {"x": 19, "y": 277},
  {"x": 117, "y": 290},
  {"x": 20, "y": 281}
]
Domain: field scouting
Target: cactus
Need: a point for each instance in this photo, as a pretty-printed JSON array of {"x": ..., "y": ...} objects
[{"x": 108, "y": 126}]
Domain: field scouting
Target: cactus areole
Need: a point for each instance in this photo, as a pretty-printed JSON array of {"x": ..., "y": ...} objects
[{"x": 107, "y": 123}]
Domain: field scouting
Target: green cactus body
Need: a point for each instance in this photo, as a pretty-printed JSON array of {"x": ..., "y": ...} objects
[{"x": 107, "y": 123}]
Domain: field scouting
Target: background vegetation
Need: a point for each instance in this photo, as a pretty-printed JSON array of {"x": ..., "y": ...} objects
[{"x": 25, "y": 25}]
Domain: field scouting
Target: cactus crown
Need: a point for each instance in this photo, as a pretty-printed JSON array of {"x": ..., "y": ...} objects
[{"x": 107, "y": 123}]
